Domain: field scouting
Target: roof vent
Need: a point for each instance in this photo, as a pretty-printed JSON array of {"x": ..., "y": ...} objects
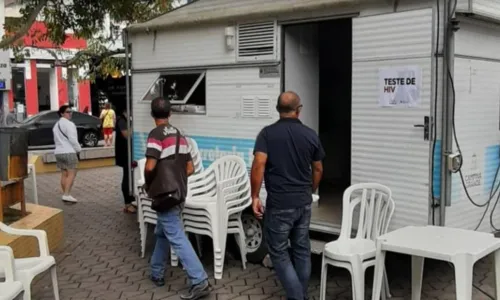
[{"x": 257, "y": 41}]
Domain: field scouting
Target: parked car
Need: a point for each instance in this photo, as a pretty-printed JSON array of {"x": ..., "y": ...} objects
[{"x": 40, "y": 128}]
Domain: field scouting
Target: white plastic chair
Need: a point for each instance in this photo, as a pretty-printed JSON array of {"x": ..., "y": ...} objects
[
  {"x": 10, "y": 289},
  {"x": 376, "y": 208},
  {"x": 214, "y": 196},
  {"x": 27, "y": 268}
]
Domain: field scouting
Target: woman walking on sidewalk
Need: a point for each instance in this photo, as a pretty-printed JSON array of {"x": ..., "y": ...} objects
[{"x": 67, "y": 150}]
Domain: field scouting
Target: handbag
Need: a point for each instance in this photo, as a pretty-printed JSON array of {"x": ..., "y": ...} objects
[
  {"x": 64, "y": 134},
  {"x": 169, "y": 186}
]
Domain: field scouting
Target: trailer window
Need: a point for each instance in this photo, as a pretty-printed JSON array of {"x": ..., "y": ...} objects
[{"x": 186, "y": 92}]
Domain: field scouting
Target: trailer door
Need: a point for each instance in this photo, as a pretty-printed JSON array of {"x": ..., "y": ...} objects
[{"x": 391, "y": 108}]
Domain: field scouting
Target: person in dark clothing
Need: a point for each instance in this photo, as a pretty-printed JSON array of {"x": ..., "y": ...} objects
[
  {"x": 122, "y": 133},
  {"x": 289, "y": 156}
]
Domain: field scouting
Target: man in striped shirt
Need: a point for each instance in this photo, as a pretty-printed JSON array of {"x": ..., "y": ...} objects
[{"x": 161, "y": 147}]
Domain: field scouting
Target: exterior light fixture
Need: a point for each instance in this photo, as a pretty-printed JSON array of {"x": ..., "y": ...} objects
[{"x": 230, "y": 34}]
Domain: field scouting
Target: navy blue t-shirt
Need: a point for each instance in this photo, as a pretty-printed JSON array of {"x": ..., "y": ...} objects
[{"x": 291, "y": 148}]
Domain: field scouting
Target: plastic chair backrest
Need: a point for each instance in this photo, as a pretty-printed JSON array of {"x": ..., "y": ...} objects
[
  {"x": 206, "y": 186},
  {"x": 210, "y": 179},
  {"x": 141, "y": 165},
  {"x": 228, "y": 166},
  {"x": 239, "y": 194},
  {"x": 7, "y": 263},
  {"x": 196, "y": 155},
  {"x": 376, "y": 207}
]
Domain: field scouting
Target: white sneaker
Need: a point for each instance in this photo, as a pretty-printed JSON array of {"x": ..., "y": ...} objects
[{"x": 68, "y": 198}]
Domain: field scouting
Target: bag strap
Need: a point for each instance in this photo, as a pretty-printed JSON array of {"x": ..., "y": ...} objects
[
  {"x": 60, "y": 130},
  {"x": 177, "y": 143}
]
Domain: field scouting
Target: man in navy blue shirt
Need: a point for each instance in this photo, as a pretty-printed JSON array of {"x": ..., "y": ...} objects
[{"x": 288, "y": 155}]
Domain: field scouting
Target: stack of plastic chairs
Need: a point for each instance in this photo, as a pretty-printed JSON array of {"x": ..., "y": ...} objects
[
  {"x": 145, "y": 214},
  {"x": 216, "y": 198}
]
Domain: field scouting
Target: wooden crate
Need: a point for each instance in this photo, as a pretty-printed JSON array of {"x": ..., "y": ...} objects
[
  {"x": 40, "y": 217},
  {"x": 17, "y": 167},
  {"x": 12, "y": 192}
]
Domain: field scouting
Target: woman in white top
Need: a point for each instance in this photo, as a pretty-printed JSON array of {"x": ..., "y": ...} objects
[{"x": 67, "y": 151}]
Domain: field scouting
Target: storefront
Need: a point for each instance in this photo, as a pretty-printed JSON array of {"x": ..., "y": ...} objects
[{"x": 39, "y": 83}]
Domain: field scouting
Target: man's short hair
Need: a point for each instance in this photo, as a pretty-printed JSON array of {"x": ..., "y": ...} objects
[
  {"x": 160, "y": 108},
  {"x": 286, "y": 107}
]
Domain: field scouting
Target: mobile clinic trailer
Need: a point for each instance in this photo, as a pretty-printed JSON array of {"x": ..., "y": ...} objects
[{"x": 384, "y": 83}]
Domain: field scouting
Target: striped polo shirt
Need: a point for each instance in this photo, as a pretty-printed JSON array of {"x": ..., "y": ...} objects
[{"x": 161, "y": 144}]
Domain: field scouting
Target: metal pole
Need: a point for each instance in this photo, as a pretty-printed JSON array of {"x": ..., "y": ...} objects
[
  {"x": 4, "y": 102},
  {"x": 447, "y": 104},
  {"x": 449, "y": 56},
  {"x": 129, "y": 127}
]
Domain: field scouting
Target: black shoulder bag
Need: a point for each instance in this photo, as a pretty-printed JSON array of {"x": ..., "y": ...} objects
[
  {"x": 62, "y": 132},
  {"x": 169, "y": 186}
]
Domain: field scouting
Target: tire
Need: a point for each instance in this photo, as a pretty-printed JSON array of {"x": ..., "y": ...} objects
[
  {"x": 90, "y": 139},
  {"x": 255, "y": 241}
]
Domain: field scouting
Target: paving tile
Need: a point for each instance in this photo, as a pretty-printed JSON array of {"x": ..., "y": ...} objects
[{"x": 254, "y": 291}]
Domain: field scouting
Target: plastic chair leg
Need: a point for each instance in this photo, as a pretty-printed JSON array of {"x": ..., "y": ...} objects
[
  {"x": 358, "y": 278},
  {"x": 174, "y": 259},
  {"x": 386, "y": 285},
  {"x": 27, "y": 288},
  {"x": 417, "y": 271},
  {"x": 324, "y": 276},
  {"x": 463, "y": 276},
  {"x": 144, "y": 237},
  {"x": 240, "y": 237},
  {"x": 35, "y": 190},
  {"x": 55, "y": 283},
  {"x": 497, "y": 274},
  {"x": 378, "y": 274}
]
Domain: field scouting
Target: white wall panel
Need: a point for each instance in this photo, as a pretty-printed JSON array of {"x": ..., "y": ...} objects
[
  {"x": 181, "y": 48},
  {"x": 487, "y": 8},
  {"x": 477, "y": 84},
  {"x": 478, "y": 39}
]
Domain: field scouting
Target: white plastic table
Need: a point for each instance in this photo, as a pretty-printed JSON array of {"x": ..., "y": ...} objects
[{"x": 460, "y": 247}]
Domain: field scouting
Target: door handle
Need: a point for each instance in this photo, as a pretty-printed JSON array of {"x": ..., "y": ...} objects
[{"x": 425, "y": 126}]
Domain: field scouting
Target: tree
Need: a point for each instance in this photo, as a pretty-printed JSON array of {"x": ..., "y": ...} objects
[{"x": 86, "y": 19}]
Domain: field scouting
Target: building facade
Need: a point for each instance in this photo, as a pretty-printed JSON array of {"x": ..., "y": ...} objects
[{"x": 41, "y": 82}]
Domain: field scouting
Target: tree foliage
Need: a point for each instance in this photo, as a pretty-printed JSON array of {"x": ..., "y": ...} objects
[{"x": 86, "y": 19}]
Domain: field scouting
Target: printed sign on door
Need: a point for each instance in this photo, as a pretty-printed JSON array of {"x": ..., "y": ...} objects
[{"x": 400, "y": 86}]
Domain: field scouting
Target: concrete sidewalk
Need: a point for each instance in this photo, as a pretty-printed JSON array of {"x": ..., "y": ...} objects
[{"x": 100, "y": 258}]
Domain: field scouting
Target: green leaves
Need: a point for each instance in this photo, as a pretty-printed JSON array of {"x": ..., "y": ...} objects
[{"x": 86, "y": 19}]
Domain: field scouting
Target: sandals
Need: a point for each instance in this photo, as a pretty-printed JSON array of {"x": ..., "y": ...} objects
[{"x": 130, "y": 209}]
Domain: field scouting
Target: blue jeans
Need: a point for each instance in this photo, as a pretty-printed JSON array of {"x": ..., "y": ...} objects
[
  {"x": 280, "y": 226},
  {"x": 169, "y": 228}
]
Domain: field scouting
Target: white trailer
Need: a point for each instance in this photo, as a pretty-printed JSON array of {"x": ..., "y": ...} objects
[{"x": 382, "y": 82}]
